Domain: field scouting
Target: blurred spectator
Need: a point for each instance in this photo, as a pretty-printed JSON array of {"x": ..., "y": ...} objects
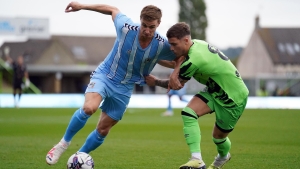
[
  {"x": 19, "y": 72},
  {"x": 262, "y": 92},
  {"x": 276, "y": 91}
]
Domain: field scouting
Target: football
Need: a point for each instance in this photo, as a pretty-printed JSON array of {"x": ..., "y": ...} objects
[{"x": 80, "y": 160}]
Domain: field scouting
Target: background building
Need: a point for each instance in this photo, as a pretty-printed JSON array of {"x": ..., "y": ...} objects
[{"x": 272, "y": 60}]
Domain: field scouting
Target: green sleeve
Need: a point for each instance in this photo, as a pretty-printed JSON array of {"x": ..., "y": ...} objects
[{"x": 187, "y": 70}]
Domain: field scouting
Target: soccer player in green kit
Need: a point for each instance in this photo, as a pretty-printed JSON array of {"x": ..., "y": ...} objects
[{"x": 225, "y": 94}]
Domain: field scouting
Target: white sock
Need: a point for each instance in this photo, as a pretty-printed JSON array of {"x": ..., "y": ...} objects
[
  {"x": 222, "y": 157},
  {"x": 197, "y": 155},
  {"x": 64, "y": 142}
]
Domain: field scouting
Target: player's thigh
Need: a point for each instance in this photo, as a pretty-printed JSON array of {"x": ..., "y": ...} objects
[
  {"x": 115, "y": 106},
  {"x": 91, "y": 102},
  {"x": 94, "y": 94},
  {"x": 227, "y": 118},
  {"x": 199, "y": 104}
]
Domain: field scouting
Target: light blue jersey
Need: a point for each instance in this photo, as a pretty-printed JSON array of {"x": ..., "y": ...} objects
[
  {"x": 128, "y": 62},
  {"x": 126, "y": 65}
]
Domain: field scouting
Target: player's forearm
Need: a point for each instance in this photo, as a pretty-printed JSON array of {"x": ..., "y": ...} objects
[
  {"x": 162, "y": 83},
  {"x": 166, "y": 63},
  {"x": 102, "y": 8},
  {"x": 178, "y": 62}
]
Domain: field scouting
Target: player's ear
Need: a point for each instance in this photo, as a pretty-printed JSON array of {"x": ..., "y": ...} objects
[{"x": 186, "y": 39}]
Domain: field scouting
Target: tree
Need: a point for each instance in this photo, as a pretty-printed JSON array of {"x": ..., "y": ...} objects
[{"x": 193, "y": 13}]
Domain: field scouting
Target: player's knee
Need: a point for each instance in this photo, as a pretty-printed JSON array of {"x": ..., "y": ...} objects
[
  {"x": 220, "y": 133},
  {"x": 89, "y": 109}
]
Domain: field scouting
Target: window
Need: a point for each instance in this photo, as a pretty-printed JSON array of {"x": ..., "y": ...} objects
[
  {"x": 281, "y": 47},
  {"x": 79, "y": 52},
  {"x": 290, "y": 49},
  {"x": 297, "y": 47}
]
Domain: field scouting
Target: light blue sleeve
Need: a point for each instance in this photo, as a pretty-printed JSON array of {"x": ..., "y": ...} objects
[{"x": 119, "y": 22}]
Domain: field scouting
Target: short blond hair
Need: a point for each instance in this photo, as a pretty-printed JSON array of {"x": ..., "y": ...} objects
[{"x": 151, "y": 13}]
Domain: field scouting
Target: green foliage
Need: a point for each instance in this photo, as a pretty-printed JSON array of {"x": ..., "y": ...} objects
[
  {"x": 193, "y": 13},
  {"x": 144, "y": 139}
]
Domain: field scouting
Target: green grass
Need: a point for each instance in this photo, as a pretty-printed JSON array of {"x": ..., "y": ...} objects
[{"x": 145, "y": 140}]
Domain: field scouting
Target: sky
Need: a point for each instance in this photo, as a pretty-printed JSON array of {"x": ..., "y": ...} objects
[{"x": 230, "y": 22}]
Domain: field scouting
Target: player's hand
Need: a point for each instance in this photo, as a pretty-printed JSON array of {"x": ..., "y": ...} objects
[
  {"x": 150, "y": 80},
  {"x": 73, "y": 7},
  {"x": 174, "y": 82}
]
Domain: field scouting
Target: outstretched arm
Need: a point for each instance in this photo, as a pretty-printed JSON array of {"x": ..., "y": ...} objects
[{"x": 101, "y": 8}]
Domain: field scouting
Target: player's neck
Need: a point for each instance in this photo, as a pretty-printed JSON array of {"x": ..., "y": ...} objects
[
  {"x": 144, "y": 42},
  {"x": 191, "y": 43}
]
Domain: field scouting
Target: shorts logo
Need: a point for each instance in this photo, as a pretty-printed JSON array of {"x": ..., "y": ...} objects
[{"x": 91, "y": 85}]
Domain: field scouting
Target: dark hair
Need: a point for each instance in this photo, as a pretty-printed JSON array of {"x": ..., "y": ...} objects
[
  {"x": 151, "y": 13},
  {"x": 179, "y": 30}
]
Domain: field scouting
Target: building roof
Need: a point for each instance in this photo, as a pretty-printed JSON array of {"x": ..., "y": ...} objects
[
  {"x": 88, "y": 49},
  {"x": 31, "y": 49},
  {"x": 283, "y": 44}
]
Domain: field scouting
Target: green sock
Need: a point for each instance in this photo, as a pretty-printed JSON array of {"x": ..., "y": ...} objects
[
  {"x": 223, "y": 146},
  {"x": 191, "y": 129}
]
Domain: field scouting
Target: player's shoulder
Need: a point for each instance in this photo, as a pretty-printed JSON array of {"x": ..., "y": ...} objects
[
  {"x": 198, "y": 47},
  {"x": 200, "y": 42},
  {"x": 131, "y": 26},
  {"x": 125, "y": 22},
  {"x": 160, "y": 38}
]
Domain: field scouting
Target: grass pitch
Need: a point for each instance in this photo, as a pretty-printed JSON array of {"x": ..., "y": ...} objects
[{"x": 145, "y": 140}]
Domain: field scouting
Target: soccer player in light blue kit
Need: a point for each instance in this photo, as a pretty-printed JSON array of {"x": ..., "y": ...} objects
[{"x": 137, "y": 49}]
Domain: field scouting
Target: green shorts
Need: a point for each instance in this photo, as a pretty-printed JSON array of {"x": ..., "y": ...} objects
[{"x": 226, "y": 118}]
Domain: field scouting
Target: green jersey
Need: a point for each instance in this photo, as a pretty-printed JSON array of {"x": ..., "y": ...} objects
[{"x": 209, "y": 66}]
